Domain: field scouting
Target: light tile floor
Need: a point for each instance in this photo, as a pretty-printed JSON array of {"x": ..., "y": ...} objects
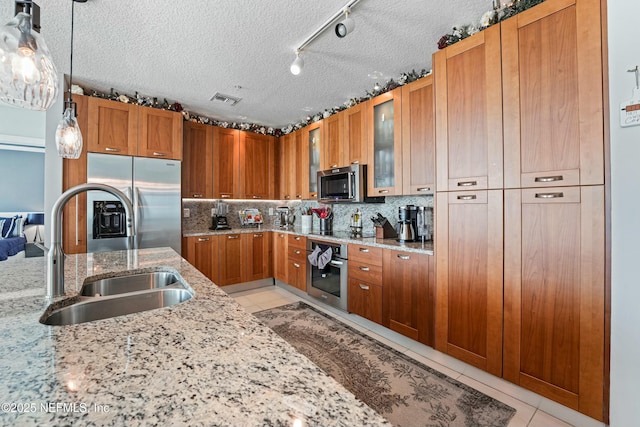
[{"x": 527, "y": 404}]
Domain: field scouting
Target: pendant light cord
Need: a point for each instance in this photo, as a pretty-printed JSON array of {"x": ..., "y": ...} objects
[{"x": 69, "y": 99}]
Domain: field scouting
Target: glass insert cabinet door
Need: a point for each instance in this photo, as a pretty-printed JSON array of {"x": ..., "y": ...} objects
[
  {"x": 385, "y": 152},
  {"x": 314, "y": 159}
]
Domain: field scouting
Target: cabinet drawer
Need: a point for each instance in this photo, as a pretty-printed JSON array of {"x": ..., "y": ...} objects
[
  {"x": 365, "y": 254},
  {"x": 365, "y": 299},
  {"x": 298, "y": 241},
  {"x": 365, "y": 272},
  {"x": 297, "y": 253}
]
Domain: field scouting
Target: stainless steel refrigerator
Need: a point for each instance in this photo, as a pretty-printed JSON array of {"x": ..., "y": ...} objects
[{"x": 152, "y": 185}]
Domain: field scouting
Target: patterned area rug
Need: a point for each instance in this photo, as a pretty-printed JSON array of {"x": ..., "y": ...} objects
[{"x": 399, "y": 388}]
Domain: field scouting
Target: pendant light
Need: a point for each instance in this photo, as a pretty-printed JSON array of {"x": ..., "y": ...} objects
[
  {"x": 28, "y": 76},
  {"x": 68, "y": 135}
]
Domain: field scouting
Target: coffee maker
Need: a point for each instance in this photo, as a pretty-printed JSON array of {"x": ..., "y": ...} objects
[
  {"x": 219, "y": 217},
  {"x": 407, "y": 217}
]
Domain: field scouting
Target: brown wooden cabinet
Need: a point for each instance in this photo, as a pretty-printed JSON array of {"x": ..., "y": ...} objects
[
  {"x": 197, "y": 163},
  {"x": 384, "y": 119},
  {"x": 418, "y": 137},
  {"x": 113, "y": 127},
  {"x": 256, "y": 160},
  {"x": 202, "y": 253},
  {"x": 333, "y": 142},
  {"x": 469, "y": 277},
  {"x": 310, "y": 159},
  {"x": 468, "y": 90},
  {"x": 160, "y": 133},
  {"x": 258, "y": 255},
  {"x": 355, "y": 134},
  {"x": 288, "y": 172},
  {"x": 364, "y": 295},
  {"x": 407, "y": 294},
  {"x": 553, "y": 98},
  {"x": 232, "y": 259},
  {"x": 554, "y": 300},
  {"x": 297, "y": 262},
  {"x": 280, "y": 256},
  {"x": 226, "y": 157}
]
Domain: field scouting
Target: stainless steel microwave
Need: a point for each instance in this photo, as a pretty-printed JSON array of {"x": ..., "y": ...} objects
[{"x": 345, "y": 185}]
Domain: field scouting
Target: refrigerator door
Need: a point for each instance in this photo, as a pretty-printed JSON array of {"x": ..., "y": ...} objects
[
  {"x": 157, "y": 201},
  {"x": 116, "y": 171}
]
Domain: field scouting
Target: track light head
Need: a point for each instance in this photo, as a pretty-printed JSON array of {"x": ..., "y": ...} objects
[
  {"x": 346, "y": 26},
  {"x": 297, "y": 64}
]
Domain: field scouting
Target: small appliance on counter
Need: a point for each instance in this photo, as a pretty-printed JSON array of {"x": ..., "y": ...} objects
[
  {"x": 407, "y": 220},
  {"x": 423, "y": 230},
  {"x": 219, "y": 217},
  {"x": 356, "y": 223},
  {"x": 285, "y": 217},
  {"x": 250, "y": 217}
]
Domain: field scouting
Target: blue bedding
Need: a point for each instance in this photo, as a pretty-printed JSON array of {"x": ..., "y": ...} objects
[{"x": 11, "y": 246}]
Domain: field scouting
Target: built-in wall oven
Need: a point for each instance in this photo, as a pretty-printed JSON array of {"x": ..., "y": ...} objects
[{"x": 327, "y": 277}]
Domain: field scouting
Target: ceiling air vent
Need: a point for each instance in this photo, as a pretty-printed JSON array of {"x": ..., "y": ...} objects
[{"x": 226, "y": 99}]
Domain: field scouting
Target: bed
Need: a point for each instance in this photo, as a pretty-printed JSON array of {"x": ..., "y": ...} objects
[{"x": 11, "y": 246}]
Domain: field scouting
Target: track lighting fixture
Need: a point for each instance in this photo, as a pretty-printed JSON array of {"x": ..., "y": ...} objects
[
  {"x": 346, "y": 26},
  {"x": 342, "y": 29},
  {"x": 28, "y": 76},
  {"x": 297, "y": 64}
]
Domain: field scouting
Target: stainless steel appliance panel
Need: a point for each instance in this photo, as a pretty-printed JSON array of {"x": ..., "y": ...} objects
[{"x": 329, "y": 284}]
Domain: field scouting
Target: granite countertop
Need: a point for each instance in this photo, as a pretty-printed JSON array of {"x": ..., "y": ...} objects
[
  {"x": 203, "y": 362},
  {"x": 342, "y": 237}
]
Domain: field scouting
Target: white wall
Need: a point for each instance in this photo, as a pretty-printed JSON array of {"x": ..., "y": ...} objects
[{"x": 624, "y": 53}]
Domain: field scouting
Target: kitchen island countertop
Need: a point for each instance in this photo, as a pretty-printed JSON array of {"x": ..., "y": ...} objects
[{"x": 203, "y": 362}]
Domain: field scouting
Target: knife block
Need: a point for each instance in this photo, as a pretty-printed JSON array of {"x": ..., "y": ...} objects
[{"x": 386, "y": 231}]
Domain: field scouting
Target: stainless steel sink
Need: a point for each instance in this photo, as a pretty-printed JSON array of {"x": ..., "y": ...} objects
[
  {"x": 96, "y": 308},
  {"x": 129, "y": 283}
]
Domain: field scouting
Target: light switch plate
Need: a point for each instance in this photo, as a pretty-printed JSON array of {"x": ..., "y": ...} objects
[{"x": 186, "y": 212}]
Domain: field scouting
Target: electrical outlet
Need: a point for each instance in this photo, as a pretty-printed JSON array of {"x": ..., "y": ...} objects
[
  {"x": 271, "y": 211},
  {"x": 213, "y": 211},
  {"x": 186, "y": 212}
]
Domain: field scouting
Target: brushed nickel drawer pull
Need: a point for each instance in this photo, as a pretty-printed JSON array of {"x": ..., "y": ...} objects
[
  {"x": 298, "y": 196},
  {"x": 197, "y": 196},
  {"x": 225, "y": 196},
  {"x": 297, "y": 252},
  {"x": 405, "y": 257},
  {"x": 257, "y": 235},
  {"x": 467, "y": 183},
  {"x": 364, "y": 268},
  {"x": 383, "y": 191},
  {"x": 296, "y": 265},
  {"x": 287, "y": 197},
  {"x": 364, "y": 287},
  {"x": 233, "y": 237},
  {"x": 365, "y": 250},
  {"x": 549, "y": 195},
  {"x": 114, "y": 150},
  {"x": 424, "y": 189},
  {"x": 297, "y": 237},
  {"x": 355, "y": 162},
  {"x": 158, "y": 154},
  {"x": 472, "y": 197},
  {"x": 203, "y": 239},
  {"x": 256, "y": 196},
  {"x": 549, "y": 178},
  {"x": 334, "y": 166}
]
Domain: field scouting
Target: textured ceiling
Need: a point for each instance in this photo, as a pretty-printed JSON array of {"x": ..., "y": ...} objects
[{"x": 187, "y": 50}]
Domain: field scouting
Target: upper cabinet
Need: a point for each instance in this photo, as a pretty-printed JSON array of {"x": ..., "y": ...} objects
[
  {"x": 197, "y": 170},
  {"x": 132, "y": 130},
  {"x": 553, "y": 106},
  {"x": 312, "y": 145},
  {"x": 113, "y": 127},
  {"x": 160, "y": 133},
  {"x": 355, "y": 134},
  {"x": 468, "y": 88},
  {"x": 256, "y": 173},
  {"x": 333, "y": 142},
  {"x": 384, "y": 114},
  {"x": 418, "y": 137},
  {"x": 226, "y": 155}
]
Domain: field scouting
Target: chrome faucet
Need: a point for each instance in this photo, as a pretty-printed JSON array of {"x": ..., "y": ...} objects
[{"x": 55, "y": 256}]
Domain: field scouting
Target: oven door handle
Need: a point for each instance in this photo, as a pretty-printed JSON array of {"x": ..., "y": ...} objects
[{"x": 336, "y": 263}]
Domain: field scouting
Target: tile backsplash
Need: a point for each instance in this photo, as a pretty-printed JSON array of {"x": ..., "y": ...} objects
[{"x": 199, "y": 219}]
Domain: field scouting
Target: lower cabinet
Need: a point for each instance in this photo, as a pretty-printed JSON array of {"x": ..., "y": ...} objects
[
  {"x": 280, "y": 256},
  {"x": 297, "y": 262},
  {"x": 202, "y": 253},
  {"x": 232, "y": 259},
  {"x": 258, "y": 250},
  {"x": 407, "y": 294},
  {"x": 364, "y": 294}
]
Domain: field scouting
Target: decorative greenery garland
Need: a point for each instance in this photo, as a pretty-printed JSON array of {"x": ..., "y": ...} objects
[{"x": 492, "y": 17}]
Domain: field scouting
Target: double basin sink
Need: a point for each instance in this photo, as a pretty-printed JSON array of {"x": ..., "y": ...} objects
[{"x": 120, "y": 295}]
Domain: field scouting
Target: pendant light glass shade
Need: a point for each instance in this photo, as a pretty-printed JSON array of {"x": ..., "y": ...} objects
[
  {"x": 68, "y": 135},
  {"x": 28, "y": 77}
]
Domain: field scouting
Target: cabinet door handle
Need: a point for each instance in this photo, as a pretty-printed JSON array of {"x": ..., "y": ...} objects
[
  {"x": 113, "y": 150},
  {"x": 424, "y": 189},
  {"x": 365, "y": 250},
  {"x": 297, "y": 252},
  {"x": 281, "y": 235},
  {"x": 287, "y": 197},
  {"x": 159, "y": 154},
  {"x": 405, "y": 257},
  {"x": 257, "y": 235},
  {"x": 296, "y": 265},
  {"x": 203, "y": 239},
  {"x": 467, "y": 183},
  {"x": 364, "y": 268},
  {"x": 549, "y": 195},
  {"x": 355, "y": 162},
  {"x": 297, "y": 237},
  {"x": 298, "y": 196},
  {"x": 549, "y": 178},
  {"x": 383, "y": 191},
  {"x": 334, "y": 166},
  {"x": 196, "y": 196},
  {"x": 364, "y": 287},
  {"x": 225, "y": 196},
  {"x": 255, "y": 196},
  {"x": 233, "y": 237},
  {"x": 471, "y": 197}
]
